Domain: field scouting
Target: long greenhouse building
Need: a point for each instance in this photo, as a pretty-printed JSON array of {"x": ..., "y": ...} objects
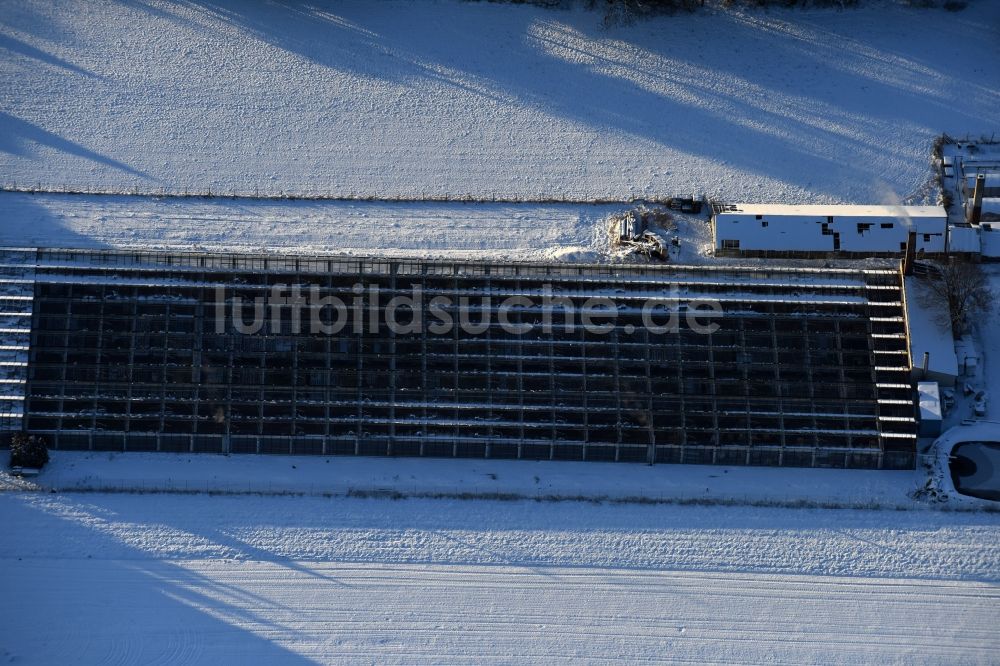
[{"x": 237, "y": 353}]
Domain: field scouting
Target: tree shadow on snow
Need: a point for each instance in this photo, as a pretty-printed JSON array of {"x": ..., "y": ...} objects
[
  {"x": 27, "y": 222},
  {"x": 714, "y": 86},
  {"x": 109, "y": 601},
  {"x": 17, "y": 137},
  {"x": 18, "y": 47}
]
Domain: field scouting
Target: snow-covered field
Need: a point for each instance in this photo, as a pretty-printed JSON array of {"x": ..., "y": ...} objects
[
  {"x": 146, "y": 579},
  {"x": 476, "y": 100},
  {"x": 484, "y": 100},
  {"x": 181, "y": 578},
  {"x": 426, "y": 229}
]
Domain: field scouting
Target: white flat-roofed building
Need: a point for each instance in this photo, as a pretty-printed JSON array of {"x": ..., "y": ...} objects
[{"x": 810, "y": 229}]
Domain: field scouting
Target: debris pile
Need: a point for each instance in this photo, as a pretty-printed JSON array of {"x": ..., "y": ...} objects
[{"x": 644, "y": 231}]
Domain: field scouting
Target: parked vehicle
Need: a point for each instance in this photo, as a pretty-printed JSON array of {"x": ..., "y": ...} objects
[{"x": 979, "y": 403}]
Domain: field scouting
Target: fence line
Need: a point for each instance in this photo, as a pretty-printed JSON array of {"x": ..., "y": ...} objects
[{"x": 316, "y": 195}]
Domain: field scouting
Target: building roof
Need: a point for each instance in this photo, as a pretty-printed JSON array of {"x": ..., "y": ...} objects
[
  {"x": 929, "y": 326},
  {"x": 844, "y": 210},
  {"x": 991, "y": 204},
  {"x": 991, "y": 178},
  {"x": 970, "y": 164},
  {"x": 929, "y": 401}
]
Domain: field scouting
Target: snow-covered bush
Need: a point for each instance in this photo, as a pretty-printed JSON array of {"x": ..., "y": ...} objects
[
  {"x": 965, "y": 288},
  {"x": 28, "y": 451}
]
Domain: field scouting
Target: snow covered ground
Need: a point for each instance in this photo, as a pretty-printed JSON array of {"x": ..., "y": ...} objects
[
  {"x": 484, "y": 100},
  {"x": 397, "y": 100},
  {"x": 311, "y": 475},
  {"x": 425, "y": 229},
  {"x": 986, "y": 329},
  {"x": 978, "y": 356},
  {"x": 198, "y": 579}
]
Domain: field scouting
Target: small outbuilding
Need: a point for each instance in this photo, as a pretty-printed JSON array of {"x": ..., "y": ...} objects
[
  {"x": 964, "y": 239},
  {"x": 990, "y": 240},
  {"x": 931, "y": 415}
]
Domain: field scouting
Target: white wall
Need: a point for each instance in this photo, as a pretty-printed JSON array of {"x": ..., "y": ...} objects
[
  {"x": 990, "y": 238},
  {"x": 963, "y": 239},
  {"x": 805, "y": 233}
]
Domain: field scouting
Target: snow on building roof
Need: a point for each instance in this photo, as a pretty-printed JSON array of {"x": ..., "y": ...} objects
[
  {"x": 929, "y": 328},
  {"x": 991, "y": 205},
  {"x": 984, "y": 162},
  {"x": 843, "y": 210},
  {"x": 990, "y": 239},
  {"x": 991, "y": 179},
  {"x": 929, "y": 400}
]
